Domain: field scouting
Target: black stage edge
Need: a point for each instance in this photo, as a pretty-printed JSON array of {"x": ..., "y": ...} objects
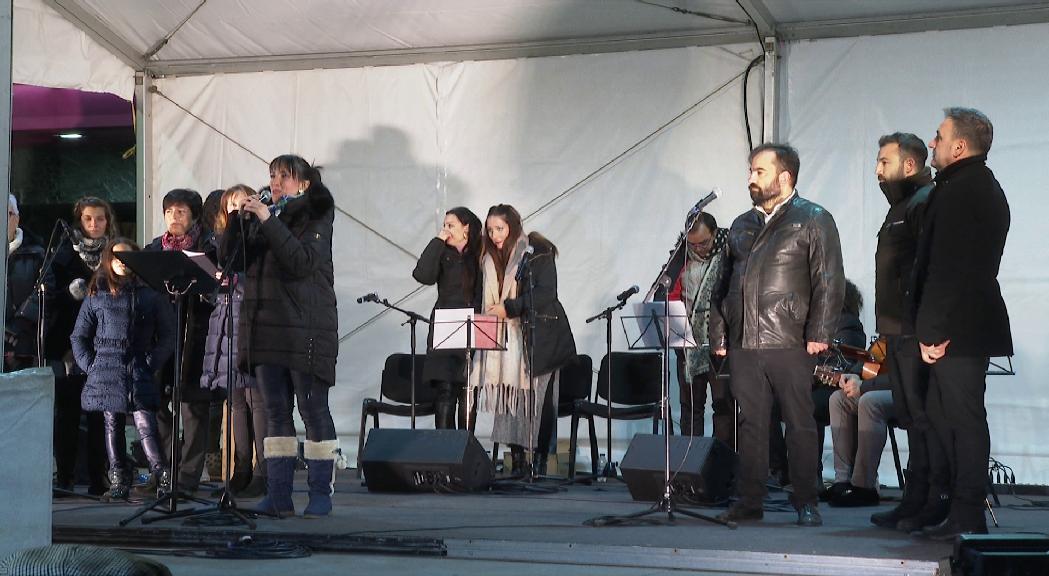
[{"x": 141, "y": 537}]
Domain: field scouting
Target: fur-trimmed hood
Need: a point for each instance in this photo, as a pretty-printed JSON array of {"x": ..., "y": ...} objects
[{"x": 317, "y": 201}]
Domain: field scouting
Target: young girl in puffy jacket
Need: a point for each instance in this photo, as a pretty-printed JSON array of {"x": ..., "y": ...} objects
[{"x": 125, "y": 331}]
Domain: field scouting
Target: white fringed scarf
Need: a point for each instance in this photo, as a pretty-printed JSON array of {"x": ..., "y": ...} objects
[{"x": 502, "y": 376}]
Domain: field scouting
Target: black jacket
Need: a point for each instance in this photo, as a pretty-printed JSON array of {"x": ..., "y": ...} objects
[
  {"x": 897, "y": 243},
  {"x": 66, "y": 268},
  {"x": 444, "y": 265},
  {"x": 289, "y": 316},
  {"x": 783, "y": 283},
  {"x": 955, "y": 294},
  {"x": 23, "y": 265},
  {"x": 554, "y": 344},
  {"x": 196, "y": 311}
]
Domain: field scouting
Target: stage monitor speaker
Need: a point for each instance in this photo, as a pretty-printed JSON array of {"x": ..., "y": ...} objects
[
  {"x": 994, "y": 554},
  {"x": 399, "y": 460},
  {"x": 703, "y": 473}
]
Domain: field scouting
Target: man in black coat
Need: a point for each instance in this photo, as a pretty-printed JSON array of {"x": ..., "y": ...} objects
[
  {"x": 25, "y": 255},
  {"x": 785, "y": 286},
  {"x": 960, "y": 316}
]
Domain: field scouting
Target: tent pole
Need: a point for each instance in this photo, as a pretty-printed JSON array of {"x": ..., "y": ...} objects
[
  {"x": 769, "y": 128},
  {"x": 143, "y": 156},
  {"x": 6, "y": 33}
]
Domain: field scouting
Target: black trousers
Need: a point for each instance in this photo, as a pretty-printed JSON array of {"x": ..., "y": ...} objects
[
  {"x": 249, "y": 429},
  {"x": 694, "y": 399},
  {"x": 196, "y": 425},
  {"x": 67, "y": 434},
  {"x": 282, "y": 388},
  {"x": 927, "y": 465},
  {"x": 758, "y": 378},
  {"x": 959, "y": 419}
]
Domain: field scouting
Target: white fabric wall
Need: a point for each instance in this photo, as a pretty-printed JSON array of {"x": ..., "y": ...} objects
[
  {"x": 48, "y": 50},
  {"x": 400, "y": 145},
  {"x": 841, "y": 95}
]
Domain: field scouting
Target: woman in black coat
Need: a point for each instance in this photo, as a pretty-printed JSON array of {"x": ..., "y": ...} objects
[
  {"x": 76, "y": 259},
  {"x": 451, "y": 262},
  {"x": 289, "y": 328},
  {"x": 124, "y": 332}
]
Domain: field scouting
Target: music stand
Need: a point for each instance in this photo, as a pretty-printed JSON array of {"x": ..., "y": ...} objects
[
  {"x": 413, "y": 319},
  {"x": 171, "y": 272},
  {"x": 662, "y": 325},
  {"x": 466, "y": 330}
]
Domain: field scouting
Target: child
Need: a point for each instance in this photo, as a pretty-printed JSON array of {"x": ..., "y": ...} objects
[{"x": 124, "y": 333}]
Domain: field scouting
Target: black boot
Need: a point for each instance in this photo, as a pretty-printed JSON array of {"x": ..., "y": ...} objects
[
  {"x": 933, "y": 513},
  {"x": 914, "y": 497},
  {"x": 539, "y": 460},
  {"x": 444, "y": 414},
  {"x": 119, "y": 485},
  {"x": 518, "y": 462}
]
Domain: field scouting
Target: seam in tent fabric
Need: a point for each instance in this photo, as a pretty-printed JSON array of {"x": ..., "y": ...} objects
[
  {"x": 360, "y": 222},
  {"x": 577, "y": 186}
]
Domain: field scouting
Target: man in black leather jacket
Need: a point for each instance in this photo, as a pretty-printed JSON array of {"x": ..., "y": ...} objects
[
  {"x": 785, "y": 286},
  {"x": 959, "y": 315}
]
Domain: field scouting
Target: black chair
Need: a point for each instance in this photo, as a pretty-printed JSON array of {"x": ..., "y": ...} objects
[
  {"x": 395, "y": 387},
  {"x": 574, "y": 383},
  {"x": 893, "y": 425},
  {"x": 636, "y": 392}
]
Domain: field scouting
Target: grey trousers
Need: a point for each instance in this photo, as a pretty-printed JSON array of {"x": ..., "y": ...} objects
[{"x": 858, "y": 430}]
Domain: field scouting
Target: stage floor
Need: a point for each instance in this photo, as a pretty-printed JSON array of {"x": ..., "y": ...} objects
[{"x": 475, "y": 533}]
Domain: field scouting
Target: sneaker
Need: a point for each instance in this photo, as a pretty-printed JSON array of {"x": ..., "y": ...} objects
[
  {"x": 809, "y": 516},
  {"x": 855, "y": 497},
  {"x": 738, "y": 512}
]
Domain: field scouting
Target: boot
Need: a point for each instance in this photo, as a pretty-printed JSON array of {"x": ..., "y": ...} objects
[
  {"x": 213, "y": 466},
  {"x": 320, "y": 458},
  {"x": 444, "y": 414},
  {"x": 119, "y": 483},
  {"x": 914, "y": 496},
  {"x": 933, "y": 513},
  {"x": 280, "y": 453},
  {"x": 518, "y": 462},
  {"x": 539, "y": 460},
  {"x": 255, "y": 489}
]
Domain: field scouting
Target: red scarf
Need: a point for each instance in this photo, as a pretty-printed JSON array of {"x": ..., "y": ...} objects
[{"x": 171, "y": 242}]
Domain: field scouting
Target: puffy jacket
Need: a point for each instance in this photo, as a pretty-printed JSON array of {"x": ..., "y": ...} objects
[
  {"x": 784, "y": 282},
  {"x": 289, "y": 316},
  {"x": 22, "y": 301},
  {"x": 121, "y": 341},
  {"x": 216, "y": 350}
]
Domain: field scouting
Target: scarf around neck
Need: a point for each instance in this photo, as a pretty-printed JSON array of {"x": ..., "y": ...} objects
[
  {"x": 89, "y": 249},
  {"x": 16, "y": 243},
  {"x": 169, "y": 241}
]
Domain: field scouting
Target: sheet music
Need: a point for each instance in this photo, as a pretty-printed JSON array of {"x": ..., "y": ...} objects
[
  {"x": 449, "y": 330},
  {"x": 647, "y": 314}
]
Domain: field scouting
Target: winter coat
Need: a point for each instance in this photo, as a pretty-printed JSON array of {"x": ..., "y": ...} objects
[
  {"x": 121, "y": 341},
  {"x": 289, "y": 316},
  {"x": 196, "y": 312},
  {"x": 66, "y": 268},
  {"x": 785, "y": 280},
  {"x": 443, "y": 265},
  {"x": 554, "y": 344},
  {"x": 216, "y": 349},
  {"x": 897, "y": 242},
  {"x": 955, "y": 294},
  {"x": 23, "y": 303}
]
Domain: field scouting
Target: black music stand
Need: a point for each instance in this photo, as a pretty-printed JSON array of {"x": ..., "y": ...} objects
[
  {"x": 171, "y": 272},
  {"x": 458, "y": 330},
  {"x": 413, "y": 319}
]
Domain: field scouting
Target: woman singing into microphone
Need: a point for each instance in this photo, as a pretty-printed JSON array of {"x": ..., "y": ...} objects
[
  {"x": 520, "y": 384},
  {"x": 450, "y": 261},
  {"x": 289, "y": 328}
]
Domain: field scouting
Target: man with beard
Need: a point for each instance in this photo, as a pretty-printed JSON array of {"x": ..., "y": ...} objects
[
  {"x": 777, "y": 309},
  {"x": 960, "y": 316},
  {"x": 862, "y": 408}
]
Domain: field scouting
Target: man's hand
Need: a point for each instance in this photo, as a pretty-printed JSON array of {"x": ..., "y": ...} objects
[
  {"x": 720, "y": 352},
  {"x": 850, "y": 385},
  {"x": 933, "y": 352},
  {"x": 814, "y": 348}
]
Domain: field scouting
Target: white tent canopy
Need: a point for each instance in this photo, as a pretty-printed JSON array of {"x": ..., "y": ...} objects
[{"x": 634, "y": 113}]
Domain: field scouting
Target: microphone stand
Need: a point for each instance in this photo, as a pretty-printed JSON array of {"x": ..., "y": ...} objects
[
  {"x": 412, "y": 320},
  {"x": 609, "y": 471}
]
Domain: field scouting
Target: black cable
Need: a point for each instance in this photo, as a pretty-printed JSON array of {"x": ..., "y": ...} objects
[
  {"x": 688, "y": 12},
  {"x": 244, "y": 548},
  {"x": 750, "y": 19},
  {"x": 746, "y": 108}
]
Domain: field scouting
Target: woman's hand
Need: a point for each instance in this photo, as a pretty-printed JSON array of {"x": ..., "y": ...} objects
[
  {"x": 253, "y": 205},
  {"x": 497, "y": 310},
  {"x": 444, "y": 235}
]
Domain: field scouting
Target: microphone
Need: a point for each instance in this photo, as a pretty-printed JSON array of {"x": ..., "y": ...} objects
[
  {"x": 525, "y": 259},
  {"x": 626, "y": 294},
  {"x": 266, "y": 197},
  {"x": 714, "y": 194},
  {"x": 368, "y": 298},
  {"x": 66, "y": 229}
]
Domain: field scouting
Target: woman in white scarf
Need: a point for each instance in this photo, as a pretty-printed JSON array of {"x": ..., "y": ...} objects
[{"x": 509, "y": 389}]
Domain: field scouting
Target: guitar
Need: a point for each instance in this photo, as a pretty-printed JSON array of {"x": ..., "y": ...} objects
[{"x": 829, "y": 372}]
